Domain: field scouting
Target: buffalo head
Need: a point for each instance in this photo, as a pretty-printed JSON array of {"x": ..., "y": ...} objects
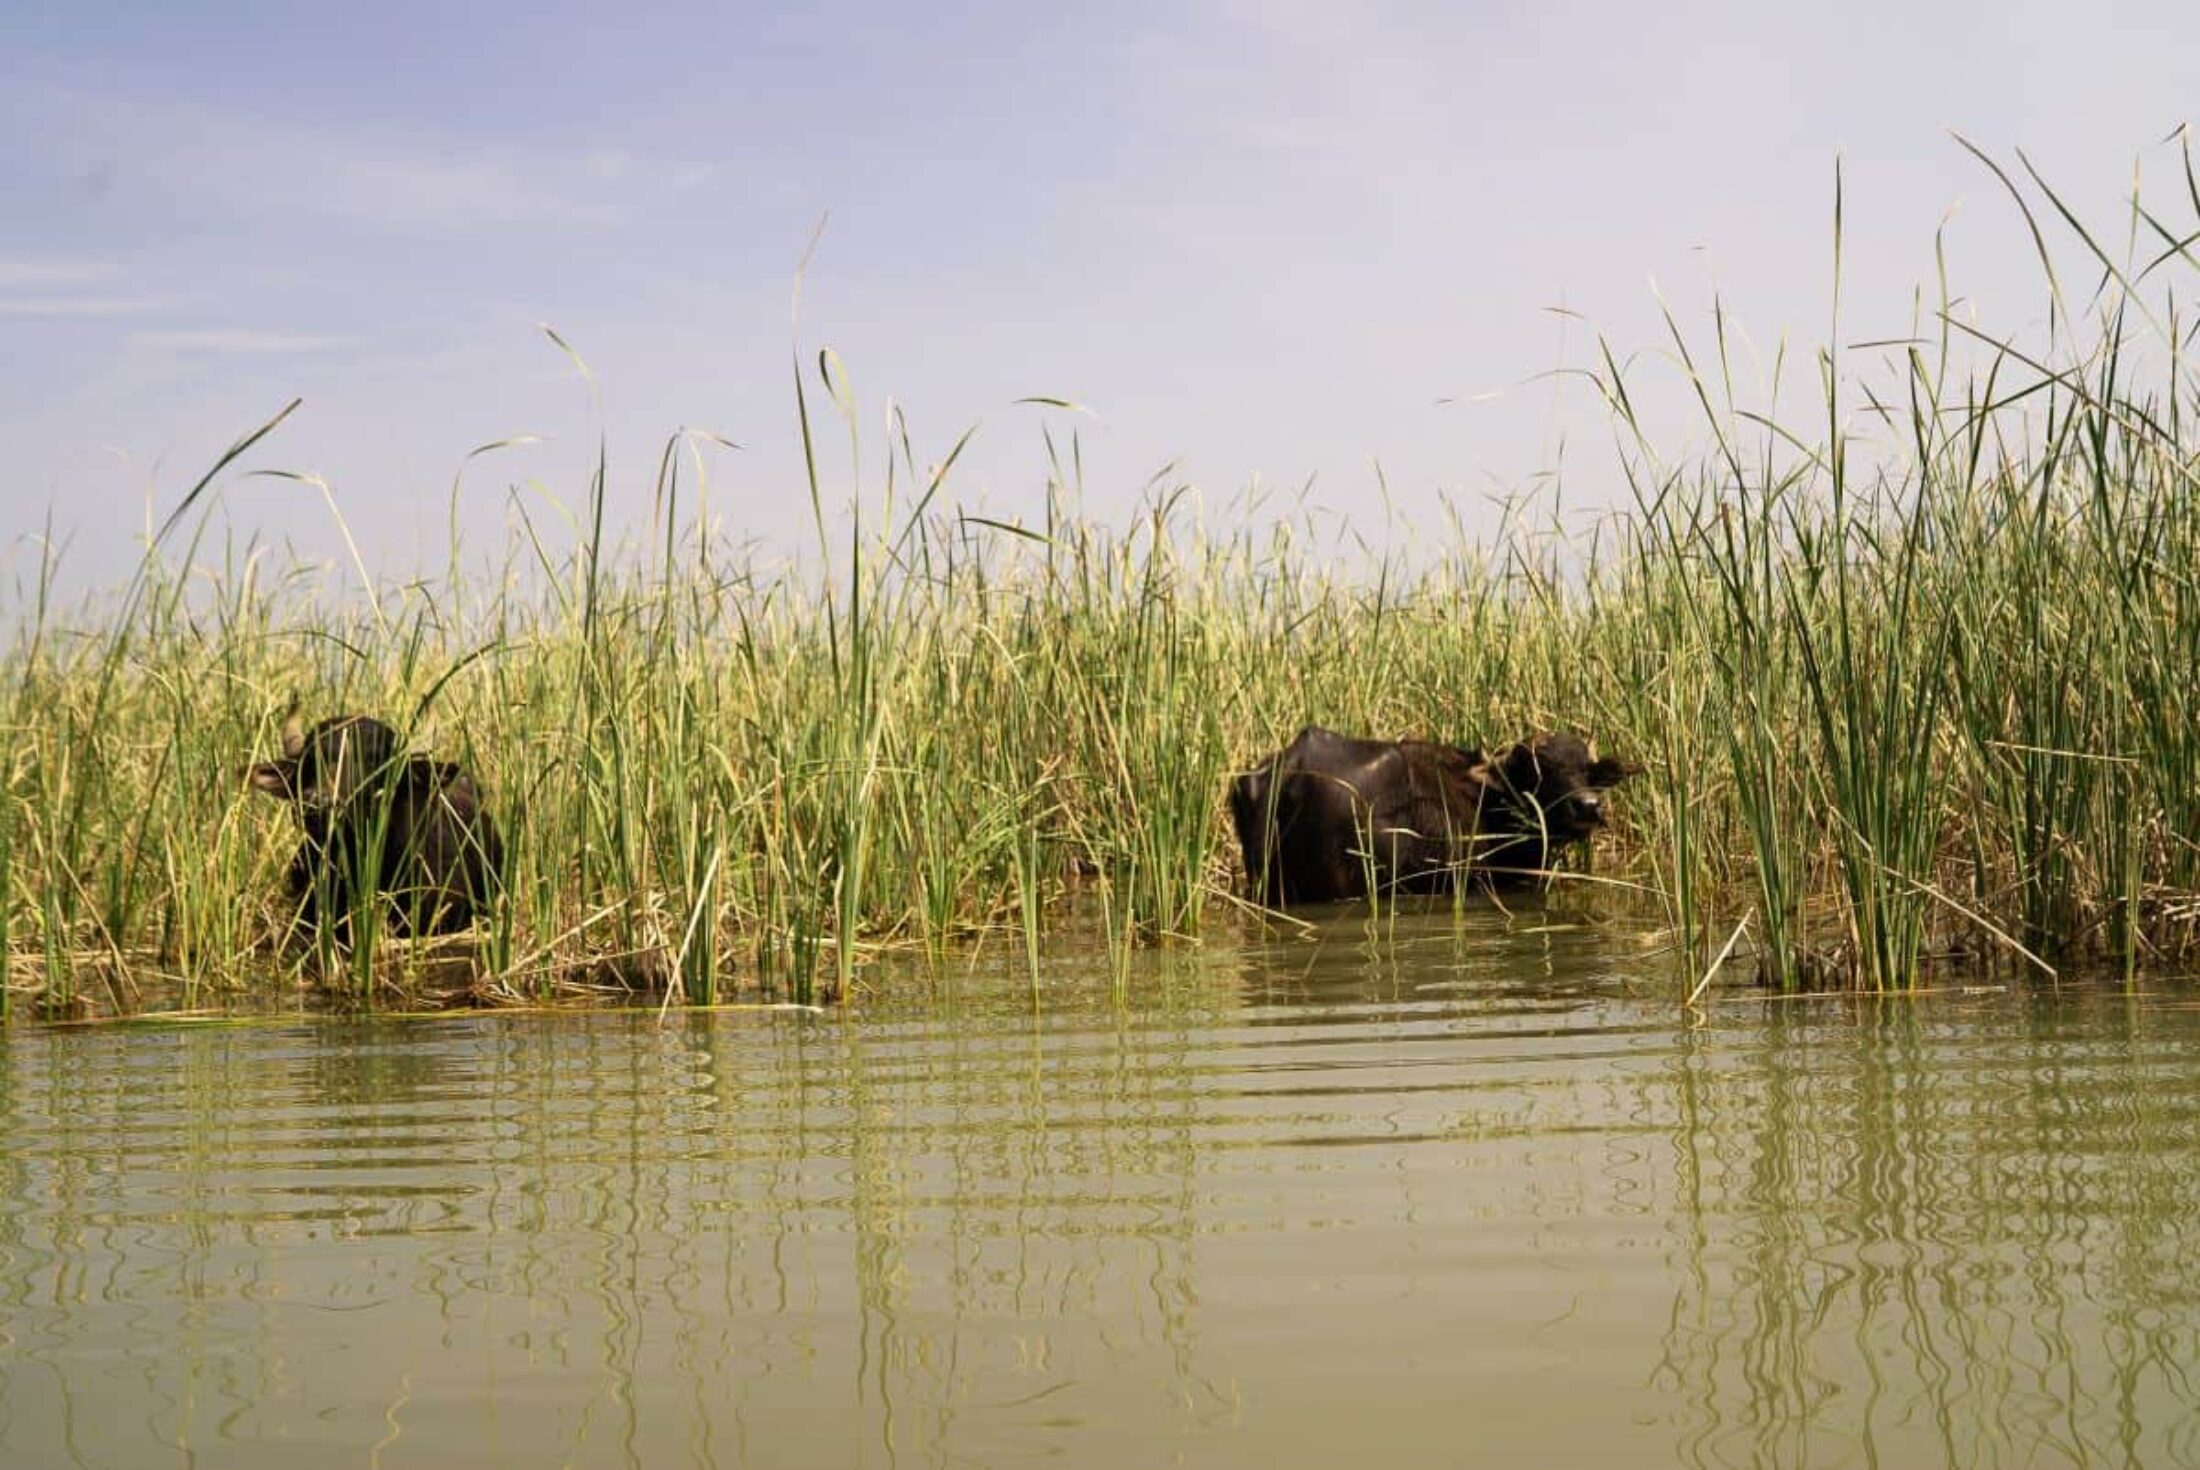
[{"x": 1552, "y": 785}]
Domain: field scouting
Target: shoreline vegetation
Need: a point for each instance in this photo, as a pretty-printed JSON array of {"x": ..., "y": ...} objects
[{"x": 1932, "y": 705}]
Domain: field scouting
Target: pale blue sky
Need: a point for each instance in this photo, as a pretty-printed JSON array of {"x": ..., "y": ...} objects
[{"x": 1261, "y": 241}]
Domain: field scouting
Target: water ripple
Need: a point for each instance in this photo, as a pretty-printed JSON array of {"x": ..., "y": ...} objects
[{"x": 1466, "y": 1197}]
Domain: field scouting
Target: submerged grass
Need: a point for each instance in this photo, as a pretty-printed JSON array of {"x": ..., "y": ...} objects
[{"x": 1933, "y": 700}]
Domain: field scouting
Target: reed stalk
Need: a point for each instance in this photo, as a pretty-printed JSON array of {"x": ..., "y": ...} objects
[{"x": 1909, "y": 670}]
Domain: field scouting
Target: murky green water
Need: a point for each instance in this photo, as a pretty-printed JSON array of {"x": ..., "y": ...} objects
[{"x": 1484, "y": 1198}]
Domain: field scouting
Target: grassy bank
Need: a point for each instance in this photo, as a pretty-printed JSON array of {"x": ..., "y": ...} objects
[{"x": 1934, "y": 700}]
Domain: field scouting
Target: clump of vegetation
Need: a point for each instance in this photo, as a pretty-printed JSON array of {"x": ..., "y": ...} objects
[{"x": 1932, "y": 700}]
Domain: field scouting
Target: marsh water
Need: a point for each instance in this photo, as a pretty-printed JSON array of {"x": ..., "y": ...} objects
[{"x": 1459, "y": 1191}]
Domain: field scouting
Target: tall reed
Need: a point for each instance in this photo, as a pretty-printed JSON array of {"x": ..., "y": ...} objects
[{"x": 1909, "y": 671}]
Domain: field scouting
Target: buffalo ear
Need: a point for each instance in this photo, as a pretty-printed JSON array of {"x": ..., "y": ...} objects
[
  {"x": 1523, "y": 767},
  {"x": 1609, "y": 772},
  {"x": 271, "y": 777}
]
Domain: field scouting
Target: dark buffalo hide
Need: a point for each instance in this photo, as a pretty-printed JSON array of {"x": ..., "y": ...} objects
[
  {"x": 1330, "y": 816},
  {"x": 410, "y": 826}
]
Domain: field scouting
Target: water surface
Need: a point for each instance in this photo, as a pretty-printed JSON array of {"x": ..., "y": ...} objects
[{"x": 1472, "y": 1194}]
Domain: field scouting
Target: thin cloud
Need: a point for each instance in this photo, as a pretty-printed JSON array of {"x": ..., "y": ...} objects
[
  {"x": 430, "y": 192},
  {"x": 419, "y": 184},
  {"x": 82, "y": 308},
  {"x": 241, "y": 341},
  {"x": 74, "y": 288},
  {"x": 44, "y": 275}
]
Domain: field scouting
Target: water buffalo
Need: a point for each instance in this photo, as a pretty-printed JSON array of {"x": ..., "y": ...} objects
[
  {"x": 1330, "y": 816},
  {"x": 412, "y": 827}
]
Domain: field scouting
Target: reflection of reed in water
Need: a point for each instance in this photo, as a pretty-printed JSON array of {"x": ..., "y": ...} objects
[
  {"x": 1531, "y": 951},
  {"x": 169, "y": 1219},
  {"x": 1244, "y": 1213},
  {"x": 1902, "y": 1242},
  {"x": 1021, "y": 1198},
  {"x": 830, "y": 1235}
]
